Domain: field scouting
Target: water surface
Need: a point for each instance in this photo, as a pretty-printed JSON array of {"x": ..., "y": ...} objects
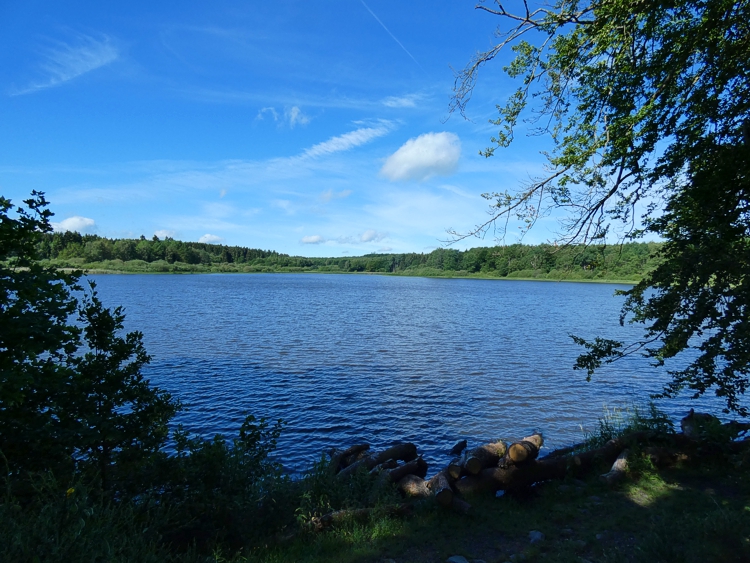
[{"x": 350, "y": 358}]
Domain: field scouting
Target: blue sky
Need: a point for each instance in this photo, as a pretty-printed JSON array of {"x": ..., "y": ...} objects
[{"x": 314, "y": 128}]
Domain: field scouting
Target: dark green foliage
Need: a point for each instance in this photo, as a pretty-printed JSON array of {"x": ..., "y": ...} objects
[
  {"x": 647, "y": 107},
  {"x": 119, "y": 417},
  {"x": 36, "y": 339}
]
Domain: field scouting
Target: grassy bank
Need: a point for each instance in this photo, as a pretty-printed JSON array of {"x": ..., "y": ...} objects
[{"x": 162, "y": 267}]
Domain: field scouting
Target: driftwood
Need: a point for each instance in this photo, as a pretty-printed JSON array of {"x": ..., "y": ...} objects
[
  {"x": 385, "y": 466},
  {"x": 413, "y": 486},
  {"x": 483, "y": 457},
  {"x": 618, "y": 471},
  {"x": 441, "y": 487},
  {"x": 401, "y": 452},
  {"x": 460, "y": 505},
  {"x": 524, "y": 450}
]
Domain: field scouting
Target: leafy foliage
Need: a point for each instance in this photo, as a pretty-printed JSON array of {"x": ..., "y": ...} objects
[{"x": 647, "y": 106}]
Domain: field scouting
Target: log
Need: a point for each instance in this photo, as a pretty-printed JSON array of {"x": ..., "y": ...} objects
[
  {"x": 441, "y": 488},
  {"x": 401, "y": 452},
  {"x": 618, "y": 471},
  {"x": 456, "y": 467},
  {"x": 344, "y": 458},
  {"x": 458, "y": 447},
  {"x": 414, "y": 487},
  {"x": 384, "y": 467},
  {"x": 514, "y": 477},
  {"x": 524, "y": 450},
  {"x": 416, "y": 467},
  {"x": 484, "y": 456}
]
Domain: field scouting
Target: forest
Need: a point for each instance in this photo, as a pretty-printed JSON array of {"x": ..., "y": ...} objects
[{"x": 625, "y": 262}]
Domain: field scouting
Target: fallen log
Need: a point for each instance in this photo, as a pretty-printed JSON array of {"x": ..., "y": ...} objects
[
  {"x": 460, "y": 505},
  {"x": 524, "y": 450},
  {"x": 458, "y": 447},
  {"x": 456, "y": 467},
  {"x": 618, "y": 471},
  {"x": 343, "y": 458},
  {"x": 401, "y": 452},
  {"x": 441, "y": 487},
  {"x": 484, "y": 456},
  {"x": 384, "y": 467},
  {"x": 413, "y": 486},
  {"x": 416, "y": 467},
  {"x": 513, "y": 477}
]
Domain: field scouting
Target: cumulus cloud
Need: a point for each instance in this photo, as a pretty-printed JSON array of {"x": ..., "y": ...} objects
[
  {"x": 209, "y": 239},
  {"x": 294, "y": 116},
  {"x": 371, "y": 235},
  {"x": 76, "y": 223},
  {"x": 347, "y": 141},
  {"x": 164, "y": 233},
  {"x": 425, "y": 156},
  {"x": 66, "y": 61},
  {"x": 328, "y": 195},
  {"x": 313, "y": 239}
]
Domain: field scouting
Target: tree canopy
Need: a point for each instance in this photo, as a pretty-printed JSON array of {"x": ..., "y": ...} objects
[{"x": 647, "y": 106}]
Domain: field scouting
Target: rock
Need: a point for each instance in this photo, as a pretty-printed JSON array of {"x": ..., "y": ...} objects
[
  {"x": 535, "y": 536},
  {"x": 457, "y": 559}
]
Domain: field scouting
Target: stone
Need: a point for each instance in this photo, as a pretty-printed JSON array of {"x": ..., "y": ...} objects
[{"x": 535, "y": 536}]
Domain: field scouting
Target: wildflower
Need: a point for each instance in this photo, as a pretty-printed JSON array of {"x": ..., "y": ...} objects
[{"x": 70, "y": 491}]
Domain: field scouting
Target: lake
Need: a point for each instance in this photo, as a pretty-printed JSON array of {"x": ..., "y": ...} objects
[{"x": 351, "y": 358}]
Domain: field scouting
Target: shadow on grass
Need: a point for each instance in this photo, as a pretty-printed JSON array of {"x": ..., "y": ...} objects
[{"x": 677, "y": 515}]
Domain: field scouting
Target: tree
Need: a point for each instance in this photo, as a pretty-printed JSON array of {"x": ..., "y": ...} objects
[
  {"x": 66, "y": 403},
  {"x": 647, "y": 107}
]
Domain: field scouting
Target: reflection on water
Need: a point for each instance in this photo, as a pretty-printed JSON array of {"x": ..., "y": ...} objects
[{"x": 348, "y": 358}]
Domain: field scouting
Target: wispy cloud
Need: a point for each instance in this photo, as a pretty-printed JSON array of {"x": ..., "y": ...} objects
[
  {"x": 76, "y": 223},
  {"x": 423, "y": 157},
  {"x": 328, "y": 195},
  {"x": 312, "y": 239},
  {"x": 408, "y": 101},
  {"x": 294, "y": 116},
  {"x": 347, "y": 141},
  {"x": 389, "y": 33},
  {"x": 164, "y": 233},
  {"x": 65, "y": 61}
]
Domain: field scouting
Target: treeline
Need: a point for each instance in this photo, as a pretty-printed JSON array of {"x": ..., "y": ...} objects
[{"x": 624, "y": 262}]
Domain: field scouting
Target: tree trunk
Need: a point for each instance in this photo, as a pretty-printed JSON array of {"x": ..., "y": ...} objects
[
  {"x": 441, "y": 487},
  {"x": 416, "y": 467},
  {"x": 401, "y": 452},
  {"x": 456, "y": 467},
  {"x": 414, "y": 487},
  {"x": 483, "y": 457},
  {"x": 618, "y": 471},
  {"x": 524, "y": 450}
]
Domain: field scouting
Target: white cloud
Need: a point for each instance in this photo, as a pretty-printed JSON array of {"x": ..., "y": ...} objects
[
  {"x": 67, "y": 61},
  {"x": 164, "y": 233},
  {"x": 294, "y": 116},
  {"x": 313, "y": 239},
  {"x": 385, "y": 249},
  {"x": 371, "y": 235},
  {"x": 328, "y": 195},
  {"x": 77, "y": 223},
  {"x": 423, "y": 157},
  {"x": 408, "y": 101},
  {"x": 210, "y": 239},
  {"x": 269, "y": 110},
  {"x": 347, "y": 141},
  {"x": 222, "y": 193}
]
